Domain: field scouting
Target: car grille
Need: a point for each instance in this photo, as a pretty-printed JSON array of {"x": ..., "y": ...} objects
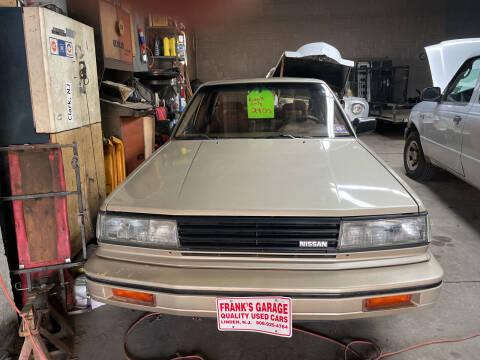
[{"x": 257, "y": 233}]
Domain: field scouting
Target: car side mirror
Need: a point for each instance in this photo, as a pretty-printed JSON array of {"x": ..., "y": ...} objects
[
  {"x": 431, "y": 94},
  {"x": 362, "y": 126}
]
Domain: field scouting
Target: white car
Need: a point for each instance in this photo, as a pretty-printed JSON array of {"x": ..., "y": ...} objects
[{"x": 444, "y": 129}]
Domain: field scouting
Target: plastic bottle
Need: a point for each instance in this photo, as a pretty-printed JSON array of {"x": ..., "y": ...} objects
[
  {"x": 181, "y": 47},
  {"x": 143, "y": 46},
  {"x": 166, "y": 47},
  {"x": 156, "y": 47},
  {"x": 173, "y": 46}
]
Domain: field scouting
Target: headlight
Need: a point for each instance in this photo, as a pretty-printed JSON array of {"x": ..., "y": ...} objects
[
  {"x": 365, "y": 234},
  {"x": 137, "y": 231},
  {"x": 357, "y": 108}
]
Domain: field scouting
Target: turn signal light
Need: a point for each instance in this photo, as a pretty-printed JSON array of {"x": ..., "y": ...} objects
[
  {"x": 388, "y": 302},
  {"x": 133, "y": 297}
]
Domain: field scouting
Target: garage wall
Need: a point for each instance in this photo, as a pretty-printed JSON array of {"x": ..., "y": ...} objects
[{"x": 249, "y": 46}]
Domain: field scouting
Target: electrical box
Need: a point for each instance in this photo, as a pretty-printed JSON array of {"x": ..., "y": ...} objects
[{"x": 62, "y": 71}]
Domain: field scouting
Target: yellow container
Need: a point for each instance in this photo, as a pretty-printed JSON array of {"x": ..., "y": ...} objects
[
  {"x": 173, "y": 47},
  {"x": 166, "y": 50},
  {"x": 110, "y": 166},
  {"x": 120, "y": 159},
  {"x": 114, "y": 159}
]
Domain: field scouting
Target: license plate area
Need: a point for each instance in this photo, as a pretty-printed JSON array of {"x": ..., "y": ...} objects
[{"x": 269, "y": 315}]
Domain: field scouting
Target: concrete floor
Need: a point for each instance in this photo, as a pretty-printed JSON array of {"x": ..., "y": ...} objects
[{"x": 455, "y": 215}]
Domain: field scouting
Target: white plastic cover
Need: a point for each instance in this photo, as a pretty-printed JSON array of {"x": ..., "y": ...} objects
[
  {"x": 320, "y": 49},
  {"x": 446, "y": 58}
]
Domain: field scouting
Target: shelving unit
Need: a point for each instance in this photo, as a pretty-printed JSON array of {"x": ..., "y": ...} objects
[
  {"x": 165, "y": 62},
  {"x": 174, "y": 58},
  {"x": 166, "y": 29}
]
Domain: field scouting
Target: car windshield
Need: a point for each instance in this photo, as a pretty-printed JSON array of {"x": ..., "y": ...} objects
[{"x": 263, "y": 110}]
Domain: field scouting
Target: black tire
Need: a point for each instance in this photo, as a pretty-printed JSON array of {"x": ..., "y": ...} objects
[{"x": 416, "y": 165}]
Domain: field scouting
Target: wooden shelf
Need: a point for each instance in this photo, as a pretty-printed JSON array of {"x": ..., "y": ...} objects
[
  {"x": 168, "y": 58},
  {"x": 166, "y": 29}
]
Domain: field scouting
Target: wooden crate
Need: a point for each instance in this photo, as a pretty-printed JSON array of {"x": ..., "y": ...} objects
[
  {"x": 8, "y": 3},
  {"x": 113, "y": 32},
  {"x": 92, "y": 174}
]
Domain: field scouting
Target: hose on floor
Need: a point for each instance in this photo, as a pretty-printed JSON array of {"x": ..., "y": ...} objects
[
  {"x": 346, "y": 347},
  {"x": 134, "y": 325}
]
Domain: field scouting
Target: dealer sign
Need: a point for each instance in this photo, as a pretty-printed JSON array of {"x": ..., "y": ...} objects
[{"x": 269, "y": 315}]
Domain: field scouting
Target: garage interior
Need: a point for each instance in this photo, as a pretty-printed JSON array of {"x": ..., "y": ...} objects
[{"x": 149, "y": 58}]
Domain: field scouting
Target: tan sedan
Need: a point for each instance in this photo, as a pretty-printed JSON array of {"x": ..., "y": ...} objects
[{"x": 265, "y": 190}]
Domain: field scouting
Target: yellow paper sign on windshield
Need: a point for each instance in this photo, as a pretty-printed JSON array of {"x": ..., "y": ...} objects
[{"x": 260, "y": 104}]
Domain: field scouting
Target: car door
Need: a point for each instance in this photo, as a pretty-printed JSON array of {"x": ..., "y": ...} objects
[
  {"x": 443, "y": 126},
  {"x": 471, "y": 137}
]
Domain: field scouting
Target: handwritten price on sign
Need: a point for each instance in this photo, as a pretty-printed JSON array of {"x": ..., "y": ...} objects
[
  {"x": 260, "y": 110},
  {"x": 260, "y": 104}
]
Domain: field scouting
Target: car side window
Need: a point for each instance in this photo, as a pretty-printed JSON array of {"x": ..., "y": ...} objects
[{"x": 460, "y": 90}]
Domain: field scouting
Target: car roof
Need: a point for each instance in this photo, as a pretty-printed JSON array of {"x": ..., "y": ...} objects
[{"x": 265, "y": 81}]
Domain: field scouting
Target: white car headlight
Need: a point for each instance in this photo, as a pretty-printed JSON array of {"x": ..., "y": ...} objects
[
  {"x": 364, "y": 234},
  {"x": 357, "y": 108},
  {"x": 137, "y": 231}
]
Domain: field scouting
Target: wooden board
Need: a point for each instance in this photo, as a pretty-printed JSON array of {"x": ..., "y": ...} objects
[
  {"x": 134, "y": 142},
  {"x": 92, "y": 174},
  {"x": 41, "y": 224},
  {"x": 149, "y": 135},
  {"x": 38, "y": 71},
  {"x": 8, "y": 3}
]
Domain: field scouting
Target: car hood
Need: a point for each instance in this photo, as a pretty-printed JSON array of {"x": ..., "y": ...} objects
[
  {"x": 315, "y": 60},
  {"x": 262, "y": 177},
  {"x": 446, "y": 58}
]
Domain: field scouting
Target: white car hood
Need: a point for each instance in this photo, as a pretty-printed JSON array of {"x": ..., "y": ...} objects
[
  {"x": 315, "y": 60},
  {"x": 320, "y": 49},
  {"x": 446, "y": 58}
]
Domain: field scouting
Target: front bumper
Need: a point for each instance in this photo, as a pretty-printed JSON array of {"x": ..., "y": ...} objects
[{"x": 316, "y": 294}]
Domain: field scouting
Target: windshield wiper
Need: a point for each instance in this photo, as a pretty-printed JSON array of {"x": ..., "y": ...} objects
[
  {"x": 205, "y": 136},
  {"x": 197, "y": 136},
  {"x": 281, "y": 136}
]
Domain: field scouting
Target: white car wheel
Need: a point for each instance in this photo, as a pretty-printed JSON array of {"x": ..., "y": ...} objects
[
  {"x": 416, "y": 165},
  {"x": 413, "y": 155}
]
